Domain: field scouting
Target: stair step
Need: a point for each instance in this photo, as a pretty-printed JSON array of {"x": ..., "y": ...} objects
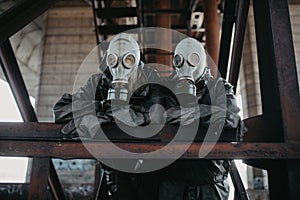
[
  {"x": 116, "y": 12},
  {"x": 115, "y": 29},
  {"x": 165, "y": 11}
]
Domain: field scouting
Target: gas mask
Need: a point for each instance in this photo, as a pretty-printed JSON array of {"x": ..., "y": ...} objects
[
  {"x": 190, "y": 63},
  {"x": 123, "y": 57}
]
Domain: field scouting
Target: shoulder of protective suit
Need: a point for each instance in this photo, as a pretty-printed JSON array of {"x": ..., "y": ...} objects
[
  {"x": 94, "y": 79},
  {"x": 106, "y": 73},
  {"x": 100, "y": 81},
  {"x": 105, "y": 78},
  {"x": 96, "y": 76}
]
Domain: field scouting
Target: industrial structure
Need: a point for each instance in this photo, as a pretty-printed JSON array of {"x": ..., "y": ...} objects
[{"x": 252, "y": 43}]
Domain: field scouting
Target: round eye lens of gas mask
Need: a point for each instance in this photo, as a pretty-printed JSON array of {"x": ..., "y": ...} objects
[
  {"x": 111, "y": 60},
  {"x": 193, "y": 59},
  {"x": 129, "y": 60},
  {"x": 177, "y": 60}
]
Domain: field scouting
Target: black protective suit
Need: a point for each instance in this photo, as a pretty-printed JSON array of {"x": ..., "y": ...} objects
[
  {"x": 202, "y": 179},
  {"x": 182, "y": 179},
  {"x": 124, "y": 186},
  {"x": 140, "y": 102}
]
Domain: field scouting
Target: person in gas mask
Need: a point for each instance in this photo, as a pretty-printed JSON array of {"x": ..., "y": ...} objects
[
  {"x": 199, "y": 98},
  {"x": 121, "y": 89}
]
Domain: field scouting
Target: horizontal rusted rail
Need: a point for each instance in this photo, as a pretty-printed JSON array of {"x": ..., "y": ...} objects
[
  {"x": 45, "y": 139},
  {"x": 258, "y": 131},
  {"x": 50, "y": 131},
  {"x": 76, "y": 149}
]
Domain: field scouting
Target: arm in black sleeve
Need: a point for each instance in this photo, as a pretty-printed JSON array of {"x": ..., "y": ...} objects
[
  {"x": 81, "y": 102},
  {"x": 223, "y": 98},
  {"x": 82, "y": 105}
]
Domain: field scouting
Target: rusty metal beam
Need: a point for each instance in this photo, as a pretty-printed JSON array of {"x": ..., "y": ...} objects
[
  {"x": 54, "y": 183},
  {"x": 13, "y": 76},
  {"x": 212, "y": 32},
  {"x": 100, "y": 185},
  {"x": 141, "y": 22},
  {"x": 29, "y": 130},
  {"x": 163, "y": 38},
  {"x": 39, "y": 178},
  {"x": 238, "y": 42},
  {"x": 140, "y": 14},
  {"x": 229, "y": 19},
  {"x": 96, "y": 24},
  {"x": 286, "y": 70},
  {"x": 267, "y": 68},
  {"x": 75, "y": 149},
  {"x": 277, "y": 181},
  {"x": 259, "y": 130},
  {"x": 98, "y": 176},
  {"x": 240, "y": 192},
  {"x": 18, "y": 16},
  {"x": 280, "y": 92},
  {"x": 50, "y": 131}
]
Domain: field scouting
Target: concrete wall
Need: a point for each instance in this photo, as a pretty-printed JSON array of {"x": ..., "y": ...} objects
[
  {"x": 295, "y": 21},
  {"x": 28, "y": 47},
  {"x": 251, "y": 88},
  {"x": 69, "y": 39}
]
